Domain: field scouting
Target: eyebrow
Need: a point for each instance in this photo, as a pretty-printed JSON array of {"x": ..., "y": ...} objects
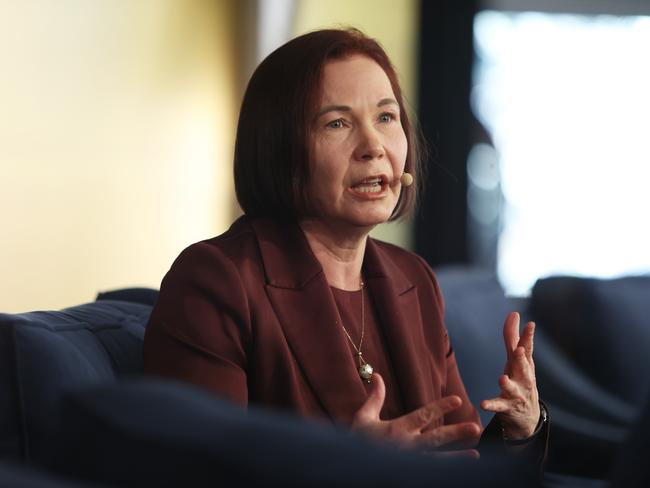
[{"x": 346, "y": 108}]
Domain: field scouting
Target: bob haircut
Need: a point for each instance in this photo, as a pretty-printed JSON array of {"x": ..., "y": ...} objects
[{"x": 272, "y": 148}]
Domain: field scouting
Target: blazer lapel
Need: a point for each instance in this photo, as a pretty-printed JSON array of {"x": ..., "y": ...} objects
[
  {"x": 303, "y": 303},
  {"x": 398, "y": 309}
]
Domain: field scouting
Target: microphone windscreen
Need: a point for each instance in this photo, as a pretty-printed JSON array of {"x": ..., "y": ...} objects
[{"x": 406, "y": 179}]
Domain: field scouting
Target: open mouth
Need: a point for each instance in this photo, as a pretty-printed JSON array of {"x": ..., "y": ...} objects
[{"x": 374, "y": 184}]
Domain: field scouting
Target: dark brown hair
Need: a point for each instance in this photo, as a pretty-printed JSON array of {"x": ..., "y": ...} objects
[{"x": 272, "y": 146}]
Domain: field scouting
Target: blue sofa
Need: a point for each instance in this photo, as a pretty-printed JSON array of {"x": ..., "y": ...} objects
[
  {"x": 76, "y": 411},
  {"x": 75, "y": 406}
]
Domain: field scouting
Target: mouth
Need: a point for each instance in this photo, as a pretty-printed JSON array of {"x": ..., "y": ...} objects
[{"x": 373, "y": 184}]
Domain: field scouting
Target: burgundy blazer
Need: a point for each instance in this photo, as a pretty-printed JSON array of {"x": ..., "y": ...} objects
[{"x": 249, "y": 315}]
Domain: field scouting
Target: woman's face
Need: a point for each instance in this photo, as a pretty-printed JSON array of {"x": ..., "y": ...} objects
[{"x": 358, "y": 146}]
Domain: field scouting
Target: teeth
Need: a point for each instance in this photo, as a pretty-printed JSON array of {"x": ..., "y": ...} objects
[
  {"x": 371, "y": 185},
  {"x": 368, "y": 188}
]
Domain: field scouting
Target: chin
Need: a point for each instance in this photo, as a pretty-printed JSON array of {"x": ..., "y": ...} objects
[
  {"x": 359, "y": 217},
  {"x": 380, "y": 216},
  {"x": 372, "y": 219}
]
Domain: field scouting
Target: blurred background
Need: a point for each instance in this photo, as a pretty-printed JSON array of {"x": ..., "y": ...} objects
[{"x": 117, "y": 122}]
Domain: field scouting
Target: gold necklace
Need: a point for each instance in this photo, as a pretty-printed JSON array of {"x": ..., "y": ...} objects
[{"x": 365, "y": 369}]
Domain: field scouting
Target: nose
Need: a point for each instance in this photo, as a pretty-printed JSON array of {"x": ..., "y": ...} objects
[{"x": 369, "y": 145}]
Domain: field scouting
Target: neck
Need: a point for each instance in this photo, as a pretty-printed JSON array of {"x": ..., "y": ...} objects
[{"x": 339, "y": 253}]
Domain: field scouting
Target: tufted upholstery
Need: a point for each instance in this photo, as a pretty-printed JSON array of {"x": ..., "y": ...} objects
[{"x": 44, "y": 354}]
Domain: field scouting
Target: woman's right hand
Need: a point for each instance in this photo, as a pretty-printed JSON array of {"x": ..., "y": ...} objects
[{"x": 412, "y": 429}]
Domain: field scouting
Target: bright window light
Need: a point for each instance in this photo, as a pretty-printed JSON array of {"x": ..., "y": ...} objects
[{"x": 566, "y": 99}]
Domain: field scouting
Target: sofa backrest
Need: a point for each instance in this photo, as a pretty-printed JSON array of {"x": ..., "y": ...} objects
[
  {"x": 602, "y": 326},
  {"x": 156, "y": 432},
  {"x": 592, "y": 365},
  {"x": 45, "y": 354}
]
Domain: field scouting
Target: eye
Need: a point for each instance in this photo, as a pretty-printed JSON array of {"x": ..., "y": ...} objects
[
  {"x": 335, "y": 124},
  {"x": 386, "y": 117}
]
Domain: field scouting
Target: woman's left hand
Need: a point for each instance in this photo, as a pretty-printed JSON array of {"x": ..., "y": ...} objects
[{"x": 518, "y": 404}]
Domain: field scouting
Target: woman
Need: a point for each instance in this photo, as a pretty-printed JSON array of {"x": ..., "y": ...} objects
[{"x": 295, "y": 307}]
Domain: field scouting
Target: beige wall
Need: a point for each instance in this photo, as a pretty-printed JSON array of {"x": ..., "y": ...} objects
[
  {"x": 116, "y": 135},
  {"x": 395, "y": 24},
  {"x": 117, "y": 122}
]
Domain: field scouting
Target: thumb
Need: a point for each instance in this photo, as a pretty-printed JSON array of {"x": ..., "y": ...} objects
[{"x": 370, "y": 409}]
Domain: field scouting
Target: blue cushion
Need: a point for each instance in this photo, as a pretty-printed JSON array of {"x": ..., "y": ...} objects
[
  {"x": 592, "y": 365},
  {"x": 603, "y": 326},
  {"x": 163, "y": 433},
  {"x": 43, "y": 354}
]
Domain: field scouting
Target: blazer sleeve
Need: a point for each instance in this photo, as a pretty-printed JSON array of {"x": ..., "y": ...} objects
[
  {"x": 200, "y": 327},
  {"x": 453, "y": 384}
]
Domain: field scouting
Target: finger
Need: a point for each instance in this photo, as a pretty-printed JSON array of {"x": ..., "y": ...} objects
[
  {"x": 496, "y": 405},
  {"x": 527, "y": 340},
  {"x": 464, "y": 434},
  {"x": 519, "y": 365},
  {"x": 462, "y": 453},
  {"x": 511, "y": 332},
  {"x": 423, "y": 416},
  {"x": 509, "y": 388},
  {"x": 371, "y": 408}
]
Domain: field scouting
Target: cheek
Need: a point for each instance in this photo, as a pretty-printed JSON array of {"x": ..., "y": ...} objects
[
  {"x": 399, "y": 146},
  {"x": 326, "y": 161}
]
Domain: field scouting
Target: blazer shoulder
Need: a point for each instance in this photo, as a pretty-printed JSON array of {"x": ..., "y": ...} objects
[
  {"x": 218, "y": 272},
  {"x": 236, "y": 245},
  {"x": 224, "y": 267}
]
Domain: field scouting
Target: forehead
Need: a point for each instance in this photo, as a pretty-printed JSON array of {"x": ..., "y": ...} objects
[{"x": 354, "y": 77}]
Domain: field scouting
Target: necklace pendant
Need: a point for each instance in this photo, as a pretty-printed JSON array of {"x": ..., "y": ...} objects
[{"x": 365, "y": 371}]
